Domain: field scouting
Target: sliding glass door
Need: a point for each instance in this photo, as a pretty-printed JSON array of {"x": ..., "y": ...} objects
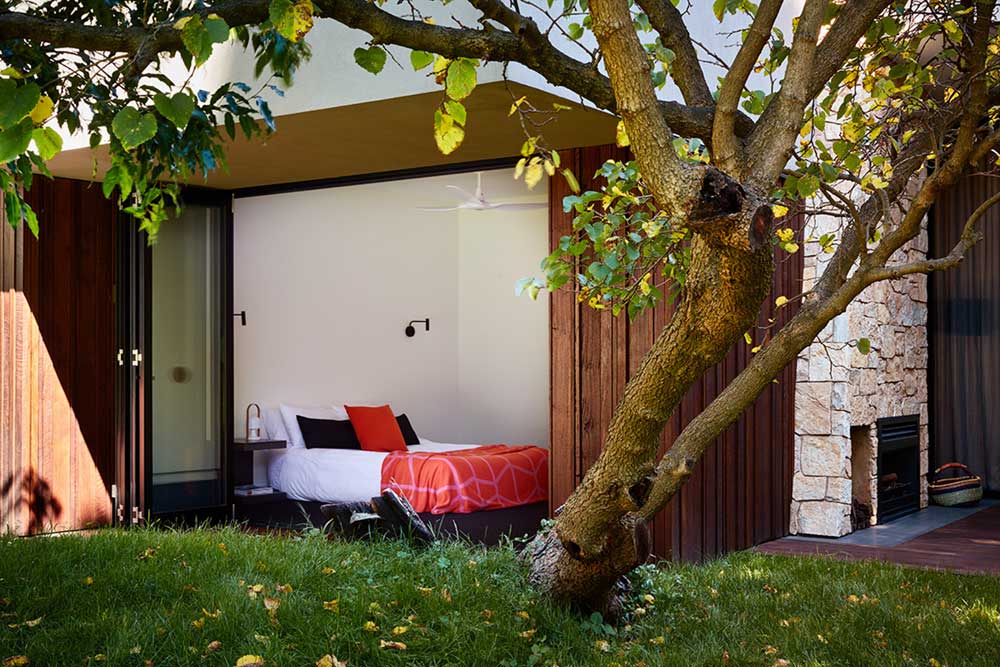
[
  {"x": 179, "y": 331},
  {"x": 186, "y": 348}
]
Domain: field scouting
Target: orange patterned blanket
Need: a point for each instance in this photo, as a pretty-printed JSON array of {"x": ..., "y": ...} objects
[{"x": 468, "y": 480}]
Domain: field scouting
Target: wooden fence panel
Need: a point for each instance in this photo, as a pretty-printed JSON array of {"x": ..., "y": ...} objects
[
  {"x": 57, "y": 453},
  {"x": 740, "y": 493}
]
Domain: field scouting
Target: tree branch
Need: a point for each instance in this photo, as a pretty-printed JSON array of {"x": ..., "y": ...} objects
[
  {"x": 686, "y": 70},
  {"x": 727, "y": 151},
  {"x": 970, "y": 236},
  {"x": 671, "y": 182},
  {"x": 772, "y": 141},
  {"x": 558, "y": 68},
  {"x": 157, "y": 38}
]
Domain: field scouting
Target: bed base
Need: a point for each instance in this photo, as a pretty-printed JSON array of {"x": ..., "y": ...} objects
[{"x": 486, "y": 527}]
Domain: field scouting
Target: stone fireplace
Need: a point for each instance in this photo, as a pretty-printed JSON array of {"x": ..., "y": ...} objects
[{"x": 841, "y": 394}]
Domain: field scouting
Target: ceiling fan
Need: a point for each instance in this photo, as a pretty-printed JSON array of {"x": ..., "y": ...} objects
[{"x": 477, "y": 201}]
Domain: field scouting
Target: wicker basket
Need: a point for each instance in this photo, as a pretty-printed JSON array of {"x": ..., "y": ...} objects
[{"x": 960, "y": 491}]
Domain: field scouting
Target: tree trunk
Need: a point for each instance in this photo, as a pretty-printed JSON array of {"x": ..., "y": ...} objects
[{"x": 599, "y": 535}]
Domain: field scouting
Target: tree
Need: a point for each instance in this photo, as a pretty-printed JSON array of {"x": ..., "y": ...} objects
[{"x": 873, "y": 108}]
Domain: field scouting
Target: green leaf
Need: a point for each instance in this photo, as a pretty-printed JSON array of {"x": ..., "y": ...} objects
[
  {"x": 808, "y": 185},
  {"x": 571, "y": 181},
  {"x": 292, "y": 20},
  {"x": 461, "y": 79},
  {"x": 195, "y": 37},
  {"x": 719, "y": 7},
  {"x": 13, "y": 204},
  {"x": 47, "y": 142},
  {"x": 420, "y": 59},
  {"x": 447, "y": 133},
  {"x": 864, "y": 345},
  {"x": 217, "y": 29},
  {"x": 177, "y": 109},
  {"x": 16, "y": 102},
  {"x": 599, "y": 271},
  {"x": 15, "y": 140},
  {"x": 371, "y": 59},
  {"x": 575, "y": 31},
  {"x": 30, "y": 218},
  {"x": 133, "y": 128},
  {"x": 110, "y": 181},
  {"x": 199, "y": 36},
  {"x": 456, "y": 110}
]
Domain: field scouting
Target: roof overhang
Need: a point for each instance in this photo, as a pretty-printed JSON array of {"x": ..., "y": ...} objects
[{"x": 381, "y": 136}]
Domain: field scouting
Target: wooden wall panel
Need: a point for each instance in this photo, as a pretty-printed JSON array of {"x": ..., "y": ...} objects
[
  {"x": 740, "y": 493},
  {"x": 57, "y": 452}
]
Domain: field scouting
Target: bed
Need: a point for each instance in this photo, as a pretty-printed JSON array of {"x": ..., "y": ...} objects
[{"x": 313, "y": 477}]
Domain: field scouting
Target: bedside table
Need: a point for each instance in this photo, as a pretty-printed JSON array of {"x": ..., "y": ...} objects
[{"x": 241, "y": 469}]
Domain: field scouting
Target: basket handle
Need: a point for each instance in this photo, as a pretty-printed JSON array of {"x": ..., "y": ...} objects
[{"x": 953, "y": 465}]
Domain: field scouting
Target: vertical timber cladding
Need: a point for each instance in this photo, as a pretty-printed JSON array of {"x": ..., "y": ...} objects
[
  {"x": 57, "y": 453},
  {"x": 740, "y": 493}
]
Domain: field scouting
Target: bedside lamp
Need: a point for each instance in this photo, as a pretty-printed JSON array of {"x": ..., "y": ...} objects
[{"x": 253, "y": 422}]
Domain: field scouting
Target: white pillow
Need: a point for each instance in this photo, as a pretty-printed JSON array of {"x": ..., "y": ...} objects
[
  {"x": 290, "y": 412},
  {"x": 273, "y": 424}
]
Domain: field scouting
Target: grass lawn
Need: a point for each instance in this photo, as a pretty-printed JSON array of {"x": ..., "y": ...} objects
[{"x": 209, "y": 597}]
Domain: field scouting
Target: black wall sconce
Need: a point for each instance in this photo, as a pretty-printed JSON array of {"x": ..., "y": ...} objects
[
  {"x": 411, "y": 332},
  {"x": 243, "y": 317}
]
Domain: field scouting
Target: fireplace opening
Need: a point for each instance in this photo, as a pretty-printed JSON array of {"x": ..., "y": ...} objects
[
  {"x": 898, "y": 466},
  {"x": 862, "y": 477}
]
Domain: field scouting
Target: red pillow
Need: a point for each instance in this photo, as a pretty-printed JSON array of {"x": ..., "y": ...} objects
[{"x": 376, "y": 428}]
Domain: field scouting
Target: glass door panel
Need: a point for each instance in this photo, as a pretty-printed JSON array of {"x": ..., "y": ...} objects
[{"x": 186, "y": 346}]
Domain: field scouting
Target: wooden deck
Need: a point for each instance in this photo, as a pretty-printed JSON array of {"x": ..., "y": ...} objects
[{"x": 970, "y": 545}]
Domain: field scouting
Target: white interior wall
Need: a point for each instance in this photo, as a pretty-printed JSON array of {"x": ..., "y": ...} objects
[{"x": 330, "y": 278}]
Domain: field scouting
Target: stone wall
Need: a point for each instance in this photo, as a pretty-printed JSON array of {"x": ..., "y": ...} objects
[{"x": 840, "y": 390}]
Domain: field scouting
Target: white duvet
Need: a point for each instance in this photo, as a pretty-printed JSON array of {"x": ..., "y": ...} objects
[{"x": 336, "y": 475}]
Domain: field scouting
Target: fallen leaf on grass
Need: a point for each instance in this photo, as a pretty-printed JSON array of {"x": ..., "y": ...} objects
[
  {"x": 212, "y": 647},
  {"x": 398, "y": 646},
  {"x": 211, "y": 614},
  {"x": 770, "y": 650},
  {"x": 781, "y": 662},
  {"x": 88, "y": 581},
  {"x": 283, "y": 588},
  {"x": 16, "y": 661},
  {"x": 399, "y": 630},
  {"x": 330, "y": 661},
  {"x": 602, "y": 645},
  {"x": 329, "y": 570},
  {"x": 370, "y": 626},
  {"x": 528, "y": 634},
  {"x": 147, "y": 554},
  {"x": 332, "y": 605},
  {"x": 250, "y": 661}
]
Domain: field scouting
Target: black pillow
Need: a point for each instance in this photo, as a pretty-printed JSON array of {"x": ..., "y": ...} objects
[
  {"x": 409, "y": 435},
  {"x": 328, "y": 433}
]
